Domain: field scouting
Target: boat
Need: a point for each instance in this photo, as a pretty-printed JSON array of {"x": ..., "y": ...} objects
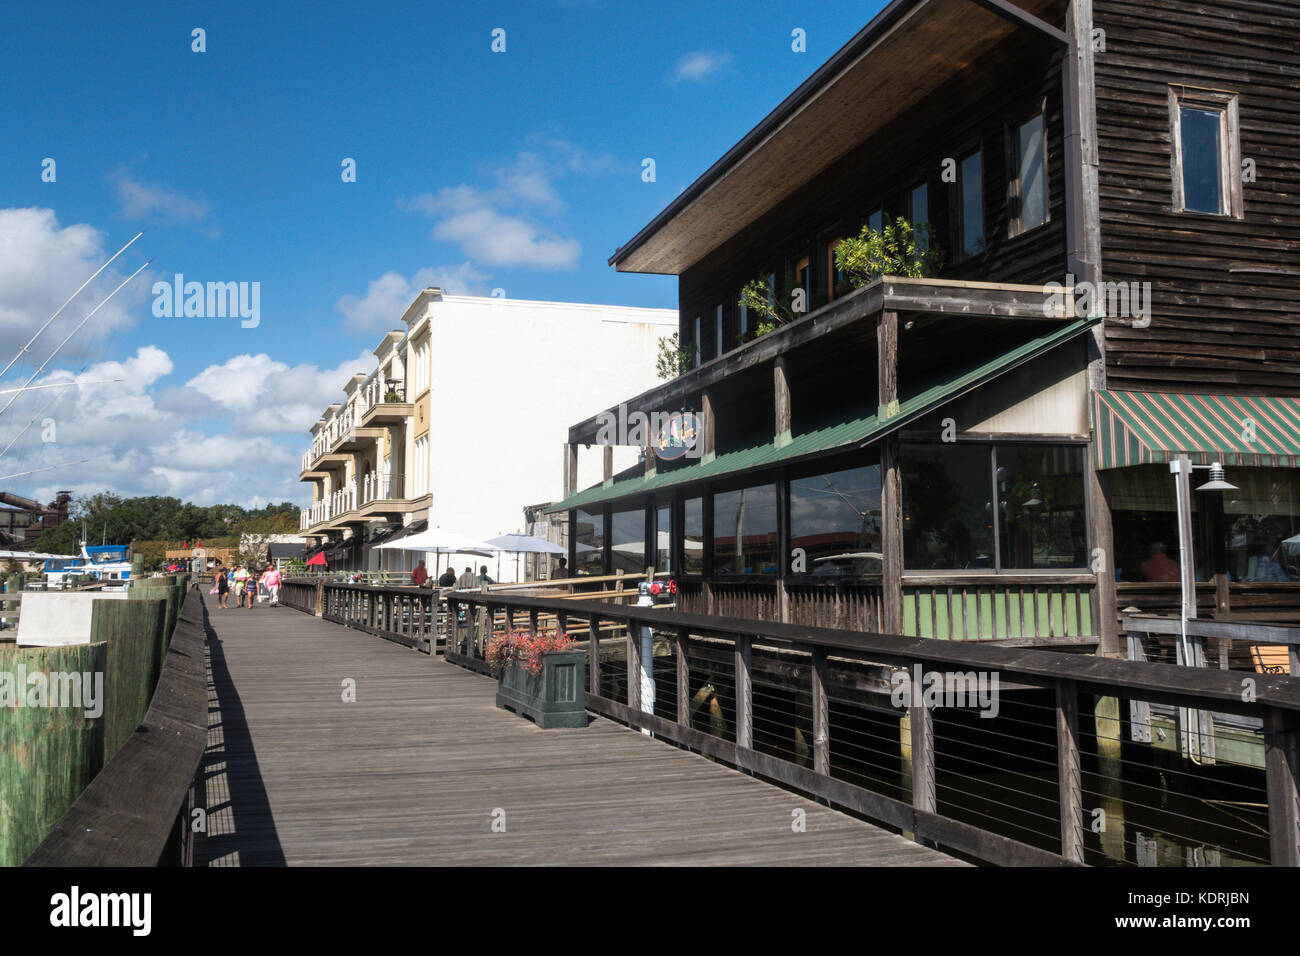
[{"x": 108, "y": 564}]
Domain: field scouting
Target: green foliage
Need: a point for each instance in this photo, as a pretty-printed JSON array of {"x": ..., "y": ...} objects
[
  {"x": 897, "y": 250},
  {"x": 760, "y": 300},
  {"x": 674, "y": 358},
  {"x": 159, "y": 520}
]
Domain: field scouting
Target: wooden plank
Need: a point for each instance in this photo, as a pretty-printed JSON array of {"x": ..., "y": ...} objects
[{"x": 1068, "y": 772}]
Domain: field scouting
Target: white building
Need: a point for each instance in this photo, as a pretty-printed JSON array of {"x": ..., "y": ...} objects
[{"x": 463, "y": 421}]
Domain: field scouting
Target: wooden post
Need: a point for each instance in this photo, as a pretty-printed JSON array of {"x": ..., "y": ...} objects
[
  {"x": 921, "y": 719},
  {"x": 781, "y": 397},
  {"x": 887, "y": 364},
  {"x": 533, "y": 628},
  {"x": 1282, "y": 769},
  {"x": 1110, "y": 773},
  {"x": 1067, "y": 769},
  {"x": 570, "y": 468},
  {"x": 821, "y": 714},
  {"x": 593, "y": 654},
  {"x": 683, "y": 677},
  {"x": 744, "y": 692},
  {"x": 633, "y": 667},
  {"x": 891, "y": 535},
  {"x": 709, "y": 448},
  {"x": 561, "y": 622},
  {"x": 510, "y": 619},
  {"x": 609, "y": 463},
  {"x": 1102, "y": 538}
]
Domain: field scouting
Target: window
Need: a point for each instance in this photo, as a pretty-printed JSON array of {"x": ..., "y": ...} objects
[
  {"x": 949, "y": 522},
  {"x": 627, "y": 541},
  {"x": 717, "y": 332},
  {"x": 744, "y": 321},
  {"x": 589, "y": 538},
  {"x": 693, "y": 536},
  {"x": 803, "y": 277},
  {"x": 1031, "y": 180},
  {"x": 663, "y": 538},
  {"x": 920, "y": 206},
  {"x": 1040, "y": 506},
  {"x": 1262, "y": 525},
  {"x": 876, "y": 221},
  {"x": 835, "y": 520},
  {"x": 699, "y": 343},
  {"x": 833, "y": 273},
  {"x": 970, "y": 185},
  {"x": 1206, "y": 152},
  {"x": 744, "y": 531}
]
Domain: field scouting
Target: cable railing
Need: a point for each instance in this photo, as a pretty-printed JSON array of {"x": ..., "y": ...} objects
[{"x": 1008, "y": 755}]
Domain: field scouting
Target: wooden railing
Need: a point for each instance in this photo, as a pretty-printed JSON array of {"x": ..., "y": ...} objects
[
  {"x": 137, "y": 809},
  {"x": 734, "y": 690}
]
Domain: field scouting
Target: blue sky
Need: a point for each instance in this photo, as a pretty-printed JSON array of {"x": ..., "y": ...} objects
[{"x": 475, "y": 170}]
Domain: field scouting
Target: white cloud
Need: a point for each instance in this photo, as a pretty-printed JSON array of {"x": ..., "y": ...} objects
[
  {"x": 499, "y": 225},
  {"x": 699, "y": 65},
  {"x": 387, "y": 297},
  {"x": 41, "y": 264},
  {"x": 140, "y": 200},
  {"x": 501, "y": 240},
  {"x": 263, "y": 396}
]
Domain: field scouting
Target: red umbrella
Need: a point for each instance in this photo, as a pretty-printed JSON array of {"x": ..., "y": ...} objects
[{"x": 318, "y": 559}]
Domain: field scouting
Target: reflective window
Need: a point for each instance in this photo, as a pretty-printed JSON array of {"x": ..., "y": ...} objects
[
  {"x": 1201, "y": 138},
  {"x": 920, "y": 200},
  {"x": 1262, "y": 524},
  {"x": 744, "y": 531},
  {"x": 1033, "y": 174},
  {"x": 663, "y": 538},
  {"x": 835, "y": 521},
  {"x": 693, "y": 536},
  {"x": 589, "y": 537},
  {"x": 1040, "y": 505},
  {"x": 947, "y": 507},
  {"x": 627, "y": 542}
]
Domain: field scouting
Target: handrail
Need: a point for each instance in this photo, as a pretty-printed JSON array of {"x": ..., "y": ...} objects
[
  {"x": 1274, "y": 700},
  {"x": 136, "y": 810}
]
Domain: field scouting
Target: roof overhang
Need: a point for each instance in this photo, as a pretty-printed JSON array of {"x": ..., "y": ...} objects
[{"x": 908, "y": 51}]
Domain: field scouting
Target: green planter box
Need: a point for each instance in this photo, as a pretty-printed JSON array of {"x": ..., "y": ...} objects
[{"x": 553, "y": 698}]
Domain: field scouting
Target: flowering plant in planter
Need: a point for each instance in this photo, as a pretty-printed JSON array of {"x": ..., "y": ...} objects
[{"x": 525, "y": 649}]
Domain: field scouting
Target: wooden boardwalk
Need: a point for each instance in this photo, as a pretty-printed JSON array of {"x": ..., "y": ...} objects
[{"x": 413, "y": 772}]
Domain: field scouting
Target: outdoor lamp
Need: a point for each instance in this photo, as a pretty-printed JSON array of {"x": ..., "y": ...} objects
[{"x": 1216, "y": 482}]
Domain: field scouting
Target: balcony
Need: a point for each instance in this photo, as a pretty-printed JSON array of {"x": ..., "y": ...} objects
[
  {"x": 381, "y": 497},
  {"x": 383, "y": 402}
]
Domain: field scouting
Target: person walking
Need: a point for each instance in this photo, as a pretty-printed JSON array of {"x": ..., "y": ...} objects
[
  {"x": 241, "y": 585},
  {"x": 223, "y": 590},
  {"x": 251, "y": 586},
  {"x": 272, "y": 581}
]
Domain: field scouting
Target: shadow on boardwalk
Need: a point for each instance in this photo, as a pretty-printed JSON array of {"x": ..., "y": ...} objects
[{"x": 419, "y": 768}]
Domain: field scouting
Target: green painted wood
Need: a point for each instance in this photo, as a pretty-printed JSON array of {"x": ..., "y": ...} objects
[
  {"x": 943, "y": 617},
  {"x": 1071, "y": 613},
  {"x": 48, "y": 755},
  {"x": 925, "y": 604},
  {"x": 909, "y": 614},
  {"x": 132, "y": 631}
]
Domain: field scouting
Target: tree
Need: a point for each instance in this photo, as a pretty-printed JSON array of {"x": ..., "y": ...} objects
[
  {"x": 897, "y": 250},
  {"x": 674, "y": 358}
]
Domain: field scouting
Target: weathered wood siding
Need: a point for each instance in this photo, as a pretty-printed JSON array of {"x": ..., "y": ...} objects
[{"x": 1224, "y": 290}]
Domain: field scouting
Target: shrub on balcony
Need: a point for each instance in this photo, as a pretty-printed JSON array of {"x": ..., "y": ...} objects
[
  {"x": 674, "y": 358},
  {"x": 899, "y": 249}
]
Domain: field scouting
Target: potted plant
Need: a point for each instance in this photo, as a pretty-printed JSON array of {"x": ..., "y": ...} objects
[{"x": 540, "y": 676}]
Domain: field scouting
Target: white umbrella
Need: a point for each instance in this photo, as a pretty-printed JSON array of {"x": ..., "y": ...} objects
[
  {"x": 518, "y": 544},
  {"x": 1292, "y": 545},
  {"x": 438, "y": 541}
]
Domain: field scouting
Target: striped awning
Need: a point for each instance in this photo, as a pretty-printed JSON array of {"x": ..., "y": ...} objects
[{"x": 1143, "y": 428}]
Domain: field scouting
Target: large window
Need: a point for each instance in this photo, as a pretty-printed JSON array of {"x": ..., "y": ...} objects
[
  {"x": 693, "y": 536},
  {"x": 947, "y": 507},
  {"x": 627, "y": 541},
  {"x": 589, "y": 542},
  {"x": 744, "y": 531},
  {"x": 1031, "y": 181},
  {"x": 950, "y": 523},
  {"x": 1040, "y": 506},
  {"x": 1262, "y": 524},
  {"x": 717, "y": 332},
  {"x": 920, "y": 207},
  {"x": 1206, "y": 170},
  {"x": 970, "y": 184},
  {"x": 835, "y": 523}
]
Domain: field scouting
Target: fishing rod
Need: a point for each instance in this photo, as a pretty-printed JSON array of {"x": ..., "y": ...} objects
[
  {"x": 23, "y": 351},
  {"x": 36, "y": 471},
  {"x": 75, "y": 331},
  {"x": 29, "y": 388},
  {"x": 23, "y": 431}
]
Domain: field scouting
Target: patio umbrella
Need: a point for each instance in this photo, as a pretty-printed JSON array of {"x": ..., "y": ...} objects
[
  {"x": 441, "y": 542},
  {"x": 518, "y": 544}
]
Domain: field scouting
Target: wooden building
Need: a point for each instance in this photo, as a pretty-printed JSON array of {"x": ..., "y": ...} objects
[{"x": 984, "y": 454}]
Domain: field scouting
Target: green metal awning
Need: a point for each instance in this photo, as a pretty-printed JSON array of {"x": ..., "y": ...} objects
[
  {"x": 1143, "y": 428},
  {"x": 855, "y": 432}
]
